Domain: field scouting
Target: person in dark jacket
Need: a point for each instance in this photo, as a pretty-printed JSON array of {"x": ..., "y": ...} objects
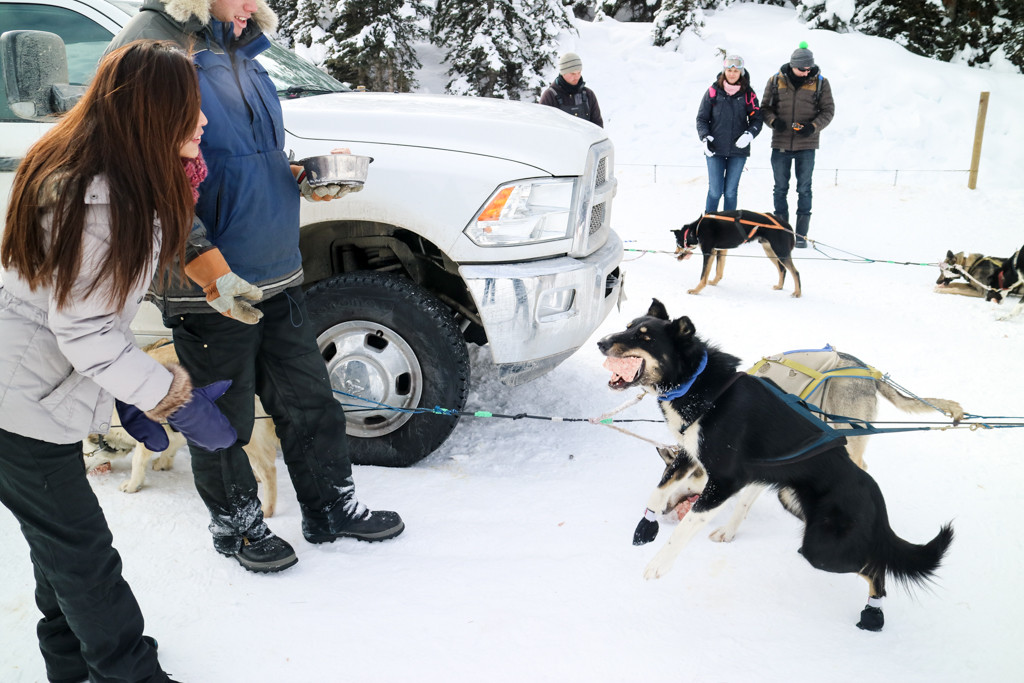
[
  {"x": 76, "y": 260},
  {"x": 570, "y": 94},
  {"x": 797, "y": 104},
  {"x": 728, "y": 120},
  {"x": 244, "y": 260}
]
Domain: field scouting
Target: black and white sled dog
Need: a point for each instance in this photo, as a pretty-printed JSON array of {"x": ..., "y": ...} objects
[
  {"x": 1009, "y": 278},
  {"x": 737, "y": 430},
  {"x": 718, "y": 231}
]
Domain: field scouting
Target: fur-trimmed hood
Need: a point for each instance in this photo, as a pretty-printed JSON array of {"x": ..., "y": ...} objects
[{"x": 184, "y": 10}]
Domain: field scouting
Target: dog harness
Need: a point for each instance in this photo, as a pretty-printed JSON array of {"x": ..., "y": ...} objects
[
  {"x": 772, "y": 223},
  {"x": 802, "y": 380}
]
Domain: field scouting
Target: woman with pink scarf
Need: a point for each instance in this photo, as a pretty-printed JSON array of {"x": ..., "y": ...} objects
[{"x": 728, "y": 120}]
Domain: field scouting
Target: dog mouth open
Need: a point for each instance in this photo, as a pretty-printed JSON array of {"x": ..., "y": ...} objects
[{"x": 625, "y": 370}]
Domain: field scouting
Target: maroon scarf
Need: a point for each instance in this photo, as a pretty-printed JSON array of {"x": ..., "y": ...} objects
[{"x": 195, "y": 171}]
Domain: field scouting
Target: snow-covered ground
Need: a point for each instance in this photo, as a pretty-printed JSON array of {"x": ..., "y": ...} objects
[{"x": 517, "y": 563}]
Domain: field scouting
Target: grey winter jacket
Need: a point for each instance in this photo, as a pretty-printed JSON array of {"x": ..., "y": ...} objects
[
  {"x": 61, "y": 369},
  {"x": 784, "y": 102}
]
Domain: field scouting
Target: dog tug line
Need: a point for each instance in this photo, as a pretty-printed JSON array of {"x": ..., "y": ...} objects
[
  {"x": 773, "y": 223},
  {"x": 817, "y": 380}
]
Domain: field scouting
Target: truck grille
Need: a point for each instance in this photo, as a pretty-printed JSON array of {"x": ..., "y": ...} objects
[{"x": 599, "y": 186}]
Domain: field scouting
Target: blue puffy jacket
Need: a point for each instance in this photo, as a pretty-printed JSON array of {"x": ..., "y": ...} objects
[{"x": 249, "y": 203}]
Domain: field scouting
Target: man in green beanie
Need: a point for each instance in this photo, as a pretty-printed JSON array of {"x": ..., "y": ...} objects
[{"x": 797, "y": 105}]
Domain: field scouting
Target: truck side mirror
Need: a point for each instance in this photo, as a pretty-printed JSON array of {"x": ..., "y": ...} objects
[{"x": 35, "y": 73}]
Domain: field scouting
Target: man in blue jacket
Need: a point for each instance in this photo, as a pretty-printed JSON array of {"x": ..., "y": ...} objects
[{"x": 244, "y": 260}]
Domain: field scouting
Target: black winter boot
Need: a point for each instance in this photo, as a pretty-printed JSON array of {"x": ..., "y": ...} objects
[
  {"x": 266, "y": 555},
  {"x": 349, "y": 518},
  {"x": 803, "y": 224}
]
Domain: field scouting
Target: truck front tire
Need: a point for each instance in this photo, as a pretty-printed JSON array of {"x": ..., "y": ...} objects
[{"x": 386, "y": 340}]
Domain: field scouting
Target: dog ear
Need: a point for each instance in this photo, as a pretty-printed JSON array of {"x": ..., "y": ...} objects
[
  {"x": 667, "y": 454},
  {"x": 657, "y": 310},
  {"x": 949, "y": 256},
  {"x": 684, "y": 327}
]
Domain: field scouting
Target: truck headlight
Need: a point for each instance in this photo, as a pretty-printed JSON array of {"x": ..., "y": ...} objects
[{"x": 525, "y": 212}]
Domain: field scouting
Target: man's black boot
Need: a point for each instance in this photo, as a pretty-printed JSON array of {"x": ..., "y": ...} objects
[{"x": 349, "y": 518}]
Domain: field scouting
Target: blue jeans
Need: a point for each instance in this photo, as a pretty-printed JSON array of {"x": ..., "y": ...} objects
[
  {"x": 723, "y": 178},
  {"x": 781, "y": 164}
]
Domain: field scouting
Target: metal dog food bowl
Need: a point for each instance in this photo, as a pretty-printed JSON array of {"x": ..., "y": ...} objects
[{"x": 336, "y": 169}]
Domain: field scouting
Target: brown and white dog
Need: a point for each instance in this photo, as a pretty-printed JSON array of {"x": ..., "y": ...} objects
[{"x": 262, "y": 447}]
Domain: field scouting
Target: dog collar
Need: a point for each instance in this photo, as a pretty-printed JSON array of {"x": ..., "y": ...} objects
[{"x": 683, "y": 388}]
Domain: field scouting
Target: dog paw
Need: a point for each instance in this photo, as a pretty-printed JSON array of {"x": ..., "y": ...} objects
[
  {"x": 130, "y": 486},
  {"x": 163, "y": 463},
  {"x": 693, "y": 291},
  {"x": 796, "y": 295},
  {"x": 871, "y": 619},
  {"x": 722, "y": 535},
  {"x": 659, "y": 566},
  {"x": 777, "y": 287}
]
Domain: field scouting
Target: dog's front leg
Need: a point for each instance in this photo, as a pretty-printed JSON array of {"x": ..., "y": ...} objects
[
  {"x": 719, "y": 266},
  {"x": 705, "y": 271},
  {"x": 140, "y": 458},
  {"x": 683, "y": 534}
]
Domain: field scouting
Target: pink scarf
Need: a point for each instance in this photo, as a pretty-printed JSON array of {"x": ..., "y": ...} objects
[
  {"x": 195, "y": 171},
  {"x": 730, "y": 89}
]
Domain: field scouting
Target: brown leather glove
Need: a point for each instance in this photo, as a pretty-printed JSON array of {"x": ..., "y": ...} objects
[{"x": 224, "y": 290}]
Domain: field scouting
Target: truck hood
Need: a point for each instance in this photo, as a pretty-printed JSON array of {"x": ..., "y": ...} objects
[{"x": 536, "y": 135}]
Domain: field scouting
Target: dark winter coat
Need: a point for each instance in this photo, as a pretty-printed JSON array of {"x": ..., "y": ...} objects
[
  {"x": 579, "y": 101},
  {"x": 249, "y": 202},
  {"x": 725, "y": 117},
  {"x": 807, "y": 103}
]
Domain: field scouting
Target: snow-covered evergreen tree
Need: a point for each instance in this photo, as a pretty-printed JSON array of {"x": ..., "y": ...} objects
[
  {"x": 1013, "y": 46},
  {"x": 918, "y": 25},
  {"x": 674, "y": 18},
  {"x": 631, "y": 10},
  {"x": 499, "y": 48},
  {"x": 833, "y": 15},
  {"x": 371, "y": 43},
  {"x": 980, "y": 27},
  {"x": 582, "y": 9}
]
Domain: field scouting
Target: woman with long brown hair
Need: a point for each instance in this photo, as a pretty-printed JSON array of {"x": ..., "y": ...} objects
[{"x": 99, "y": 205}]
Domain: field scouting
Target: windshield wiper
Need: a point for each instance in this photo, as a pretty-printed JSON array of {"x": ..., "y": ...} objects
[{"x": 299, "y": 90}]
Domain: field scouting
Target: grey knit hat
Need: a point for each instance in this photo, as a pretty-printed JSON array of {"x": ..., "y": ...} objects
[
  {"x": 802, "y": 58},
  {"x": 569, "y": 62}
]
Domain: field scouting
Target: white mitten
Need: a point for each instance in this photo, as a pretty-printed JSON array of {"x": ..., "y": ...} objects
[
  {"x": 707, "y": 146},
  {"x": 744, "y": 140}
]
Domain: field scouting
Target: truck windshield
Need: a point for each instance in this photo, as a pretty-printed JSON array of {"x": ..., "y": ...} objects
[{"x": 294, "y": 77}]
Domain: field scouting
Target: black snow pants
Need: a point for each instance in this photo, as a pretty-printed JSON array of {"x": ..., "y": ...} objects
[
  {"x": 92, "y": 625},
  {"x": 278, "y": 360}
]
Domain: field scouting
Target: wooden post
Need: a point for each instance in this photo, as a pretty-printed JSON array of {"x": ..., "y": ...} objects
[{"x": 979, "y": 131}]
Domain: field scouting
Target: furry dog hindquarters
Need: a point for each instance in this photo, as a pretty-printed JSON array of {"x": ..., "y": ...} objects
[
  {"x": 718, "y": 231},
  {"x": 732, "y": 429}
]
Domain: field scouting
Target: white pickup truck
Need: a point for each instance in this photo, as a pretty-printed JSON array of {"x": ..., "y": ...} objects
[{"x": 482, "y": 221}]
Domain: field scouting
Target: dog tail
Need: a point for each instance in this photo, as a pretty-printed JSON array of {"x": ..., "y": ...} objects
[
  {"x": 920, "y": 405},
  {"x": 909, "y": 563}
]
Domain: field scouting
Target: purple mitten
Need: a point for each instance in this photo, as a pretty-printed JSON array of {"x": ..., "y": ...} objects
[
  {"x": 141, "y": 428},
  {"x": 200, "y": 420}
]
